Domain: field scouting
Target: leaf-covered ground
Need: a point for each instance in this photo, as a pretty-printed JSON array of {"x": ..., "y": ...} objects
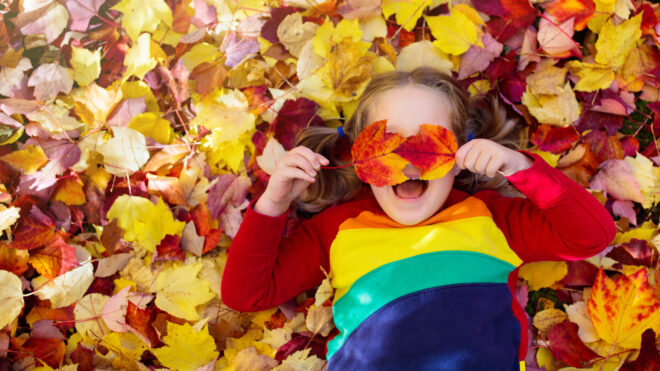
[{"x": 133, "y": 134}]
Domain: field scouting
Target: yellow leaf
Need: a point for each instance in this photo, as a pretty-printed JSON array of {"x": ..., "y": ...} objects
[
  {"x": 94, "y": 103},
  {"x": 142, "y": 221},
  {"x": 615, "y": 42},
  {"x": 543, "y": 274},
  {"x": 347, "y": 71},
  {"x": 29, "y": 159},
  {"x": 88, "y": 313},
  {"x": 186, "y": 349},
  {"x": 640, "y": 61},
  {"x": 645, "y": 232},
  {"x": 545, "y": 359},
  {"x": 546, "y": 80},
  {"x": 198, "y": 54},
  {"x": 54, "y": 118},
  {"x": 560, "y": 110},
  {"x": 422, "y": 53},
  {"x": 70, "y": 191},
  {"x": 125, "y": 345},
  {"x": 125, "y": 153},
  {"x": 407, "y": 11},
  {"x": 136, "y": 89},
  {"x": 228, "y": 153},
  {"x": 327, "y": 35},
  {"x": 86, "y": 65},
  {"x": 648, "y": 177},
  {"x": 622, "y": 308},
  {"x": 138, "y": 60},
  {"x": 66, "y": 288},
  {"x": 301, "y": 360},
  {"x": 592, "y": 76},
  {"x": 549, "y": 157},
  {"x": 454, "y": 33},
  {"x": 179, "y": 291},
  {"x": 545, "y": 319},
  {"x": 9, "y": 216},
  {"x": 139, "y": 16},
  {"x": 479, "y": 87},
  {"x": 11, "y": 297},
  {"x": 152, "y": 125}
]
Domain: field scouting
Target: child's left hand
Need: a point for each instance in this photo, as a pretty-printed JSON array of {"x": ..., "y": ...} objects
[{"x": 483, "y": 156}]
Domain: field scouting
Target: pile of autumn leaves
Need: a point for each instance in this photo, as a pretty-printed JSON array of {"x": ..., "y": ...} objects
[{"x": 133, "y": 134}]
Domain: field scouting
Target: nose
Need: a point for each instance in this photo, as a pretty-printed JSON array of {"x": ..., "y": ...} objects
[{"x": 412, "y": 171}]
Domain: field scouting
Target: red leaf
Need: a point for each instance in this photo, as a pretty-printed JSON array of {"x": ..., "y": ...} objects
[
  {"x": 372, "y": 156},
  {"x": 34, "y": 231},
  {"x": 83, "y": 357},
  {"x": 567, "y": 347},
  {"x": 168, "y": 249},
  {"x": 554, "y": 139},
  {"x": 580, "y": 273},
  {"x": 56, "y": 258},
  {"x": 48, "y": 350},
  {"x": 432, "y": 150},
  {"x": 294, "y": 116},
  {"x": 140, "y": 320},
  {"x": 604, "y": 146},
  {"x": 581, "y": 10},
  {"x": 634, "y": 252},
  {"x": 649, "y": 356},
  {"x": 269, "y": 29}
]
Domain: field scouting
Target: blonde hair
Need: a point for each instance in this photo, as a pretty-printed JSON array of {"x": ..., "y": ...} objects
[{"x": 483, "y": 117}]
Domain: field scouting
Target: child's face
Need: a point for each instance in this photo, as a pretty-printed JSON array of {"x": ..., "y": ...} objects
[{"x": 405, "y": 108}]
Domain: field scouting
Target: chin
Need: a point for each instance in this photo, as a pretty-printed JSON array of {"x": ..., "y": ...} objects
[{"x": 413, "y": 201}]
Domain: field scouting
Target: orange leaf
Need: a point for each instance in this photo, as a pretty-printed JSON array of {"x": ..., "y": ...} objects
[
  {"x": 373, "y": 158},
  {"x": 70, "y": 191},
  {"x": 53, "y": 259},
  {"x": 13, "y": 260},
  {"x": 34, "y": 231},
  {"x": 623, "y": 308},
  {"x": 581, "y": 10},
  {"x": 432, "y": 150}
]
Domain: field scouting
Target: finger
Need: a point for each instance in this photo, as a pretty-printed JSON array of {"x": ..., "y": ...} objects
[
  {"x": 310, "y": 155},
  {"x": 299, "y": 161},
  {"x": 461, "y": 153},
  {"x": 493, "y": 167},
  {"x": 482, "y": 162},
  {"x": 296, "y": 173},
  {"x": 324, "y": 161},
  {"x": 471, "y": 159}
]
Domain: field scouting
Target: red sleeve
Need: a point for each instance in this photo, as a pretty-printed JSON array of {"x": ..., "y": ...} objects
[
  {"x": 559, "y": 220},
  {"x": 265, "y": 269}
]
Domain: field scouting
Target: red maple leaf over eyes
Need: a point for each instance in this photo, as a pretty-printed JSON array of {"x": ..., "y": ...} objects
[{"x": 379, "y": 157}]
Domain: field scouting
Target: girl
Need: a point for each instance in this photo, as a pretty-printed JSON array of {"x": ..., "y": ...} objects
[{"x": 423, "y": 271}]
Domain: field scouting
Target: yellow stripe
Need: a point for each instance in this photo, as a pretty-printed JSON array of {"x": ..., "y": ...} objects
[
  {"x": 470, "y": 207},
  {"x": 357, "y": 251},
  {"x": 522, "y": 365}
]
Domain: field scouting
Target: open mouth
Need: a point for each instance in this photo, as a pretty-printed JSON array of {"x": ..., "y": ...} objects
[{"x": 411, "y": 188}]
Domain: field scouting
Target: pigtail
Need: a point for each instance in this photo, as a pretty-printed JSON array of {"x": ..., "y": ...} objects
[
  {"x": 486, "y": 118},
  {"x": 332, "y": 185}
]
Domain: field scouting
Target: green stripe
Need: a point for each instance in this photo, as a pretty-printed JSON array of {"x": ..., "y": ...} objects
[{"x": 391, "y": 281}]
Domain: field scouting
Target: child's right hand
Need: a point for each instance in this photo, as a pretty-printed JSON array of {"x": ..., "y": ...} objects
[{"x": 293, "y": 173}]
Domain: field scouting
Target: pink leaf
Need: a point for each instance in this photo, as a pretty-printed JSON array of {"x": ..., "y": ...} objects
[{"x": 81, "y": 12}]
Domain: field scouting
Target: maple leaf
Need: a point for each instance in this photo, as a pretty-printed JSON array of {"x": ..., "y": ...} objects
[
  {"x": 11, "y": 77},
  {"x": 373, "y": 158},
  {"x": 49, "y": 79},
  {"x": 556, "y": 39},
  {"x": 616, "y": 179},
  {"x": 454, "y": 33},
  {"x": 82, "y": 12},
  {"x": 543, "y": 274},
  {"x": 423, "y": 53},
  {"x": 140, "y": 16},
  {"x": 622, "y": 308},
  {"x": 185, "y": 348},
  {"x": 592, "y": 76},
  {"x": 42, "y": 17},
  {"x": 407, "y": 12},
  {"x": 615, "y": 42},
  {"x": 56, "y": 258},
  {"x": 432, "y": 150},
  {"x": 179, "y": 291},
  {"x": 86, "y": 65},
  {"x": 567, "y": 347},
  {"x": 13, "y": 260}
]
